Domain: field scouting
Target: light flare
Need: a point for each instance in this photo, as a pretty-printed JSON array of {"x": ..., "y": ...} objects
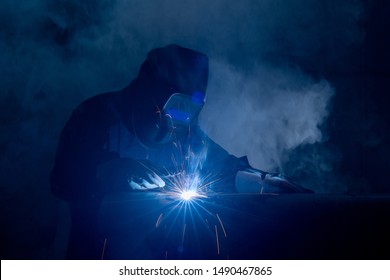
[
  {"x": 188, "y": 195},
  {"x": 187, "y": 184}
]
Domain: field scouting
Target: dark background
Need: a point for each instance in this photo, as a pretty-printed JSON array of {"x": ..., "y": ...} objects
[{"x": 301, "y": 87}]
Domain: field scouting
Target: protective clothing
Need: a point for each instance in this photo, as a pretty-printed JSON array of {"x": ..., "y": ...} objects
[{"x": 181, "y": 111}]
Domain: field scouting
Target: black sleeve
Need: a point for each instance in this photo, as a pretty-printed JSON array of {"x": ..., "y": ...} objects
[
  {"x": 220, "y": 167},
  {"x": 224, "y": 167},
  {"x": 80, "y": 150}
]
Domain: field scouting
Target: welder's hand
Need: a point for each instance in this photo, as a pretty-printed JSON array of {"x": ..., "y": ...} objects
[
  {"x": 126, "y": 174},
  {"x": 249, "y": 181},
  {"x": 257, "y": 181},
  {"x": 277, "y": 183},
  {"x": 148, "y": 182}
]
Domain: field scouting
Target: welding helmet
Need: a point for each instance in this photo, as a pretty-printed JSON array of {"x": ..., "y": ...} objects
[
  {"x": 174, "y": 79},
  {"x": 182, "y": 110}
]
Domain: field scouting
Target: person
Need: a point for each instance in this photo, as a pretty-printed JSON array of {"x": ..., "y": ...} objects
[{"x": 146, "y": 137}]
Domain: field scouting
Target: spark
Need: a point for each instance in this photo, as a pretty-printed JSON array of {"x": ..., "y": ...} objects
[
  {"x": 159, "y": 220},
  {"x": 184, "y": 232},
  {"x": 220, "y": 221},
  {"x": 188, "y": 195},
  {"x": 186, "y": 186},
  {"x": 216, "y": 234},
  {"x": 104, "y": 247},
  {"x": 187, "y": 183}
]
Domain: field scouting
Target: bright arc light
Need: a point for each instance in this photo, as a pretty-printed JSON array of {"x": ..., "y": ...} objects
[{"x": 188, "y": 195}]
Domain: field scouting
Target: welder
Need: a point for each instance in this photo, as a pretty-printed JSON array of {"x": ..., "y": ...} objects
[{"x": 138, "y": 138}]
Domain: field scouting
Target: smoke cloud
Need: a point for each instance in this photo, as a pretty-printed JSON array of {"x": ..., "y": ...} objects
[
  {"x": 268, "y": 94},
  {"x": 266, "y": 113}
]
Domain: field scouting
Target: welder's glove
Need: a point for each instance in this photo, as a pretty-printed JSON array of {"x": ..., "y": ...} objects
[
  {"x": 257, "y": 181},
  {"x": 127, "y": 174}
]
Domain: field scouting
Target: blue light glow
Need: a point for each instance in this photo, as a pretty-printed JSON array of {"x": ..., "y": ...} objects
[
  {"x": 188, "y": 195},
  {"x": 179, "y": 115}
]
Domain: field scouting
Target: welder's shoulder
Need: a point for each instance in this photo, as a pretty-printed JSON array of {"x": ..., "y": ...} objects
[
  {"x": 96, "y": 106},
  {"x": 94, "y": 114}
]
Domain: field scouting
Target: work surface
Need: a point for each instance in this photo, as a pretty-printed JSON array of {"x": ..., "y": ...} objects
[{"x": 246, "y": 226}]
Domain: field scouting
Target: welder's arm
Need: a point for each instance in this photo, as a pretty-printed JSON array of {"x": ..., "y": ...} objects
[
  {"x": 249, "y": 181},
  {"x": 252, "y": 180},
  {"x": 85, "y": 168},
  {"x": 223, "y": 168},
  {"x": 126, "y": 174}
]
